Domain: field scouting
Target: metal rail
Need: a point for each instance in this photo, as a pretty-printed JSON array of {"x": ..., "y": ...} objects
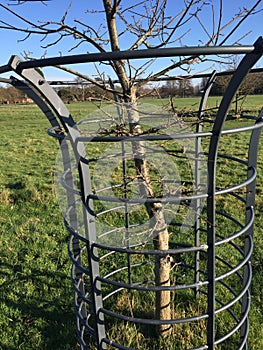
[{"x": 135, "y": 54}]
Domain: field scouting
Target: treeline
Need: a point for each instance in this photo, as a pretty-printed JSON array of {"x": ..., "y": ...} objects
[
  {"x": 10, "y": 93},
  {"x": 252, "y": 85},
  {"x": 180, "y": 88},
  {"x": 82, "y": 91}
]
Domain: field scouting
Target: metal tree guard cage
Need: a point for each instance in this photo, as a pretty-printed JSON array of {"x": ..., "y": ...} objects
[{"x": 111, "y": 245}]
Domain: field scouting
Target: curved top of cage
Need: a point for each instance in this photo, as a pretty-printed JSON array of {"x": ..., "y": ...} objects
[{"x": 256, "y": 48}]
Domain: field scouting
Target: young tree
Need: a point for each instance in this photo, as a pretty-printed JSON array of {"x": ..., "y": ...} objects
[{"x": 150, "y": 24}]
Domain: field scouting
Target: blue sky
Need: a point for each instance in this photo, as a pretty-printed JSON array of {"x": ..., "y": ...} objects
[{"x": 12, "y": 42}]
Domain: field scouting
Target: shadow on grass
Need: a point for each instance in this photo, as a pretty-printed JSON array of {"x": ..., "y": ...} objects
[{"x": 36, "y": 310}]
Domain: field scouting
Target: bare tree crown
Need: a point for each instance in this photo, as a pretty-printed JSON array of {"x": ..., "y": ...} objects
[{"x": 122, "y": 25}]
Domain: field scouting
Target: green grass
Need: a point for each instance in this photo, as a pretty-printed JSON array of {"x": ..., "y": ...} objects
[
  {"x": 36, "y": 297},
  {"x": 35, "y": 292}
]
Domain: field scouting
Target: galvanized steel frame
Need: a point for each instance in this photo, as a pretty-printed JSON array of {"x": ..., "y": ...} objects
[{"x": 89, "y": 301}]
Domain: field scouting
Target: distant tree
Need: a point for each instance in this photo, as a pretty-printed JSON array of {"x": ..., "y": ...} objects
[
  {"x": 220, "y": 85},
  {"x": 171, "y": 88},
  {"x": 253, "y": 84},
  {"x": 178, "y": 87},
  {"x": 185, "y": 88},
  {"x": 66, "y": 94}
]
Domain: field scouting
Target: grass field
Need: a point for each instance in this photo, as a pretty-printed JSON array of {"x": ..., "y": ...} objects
[{"x": 36, "y": 297}]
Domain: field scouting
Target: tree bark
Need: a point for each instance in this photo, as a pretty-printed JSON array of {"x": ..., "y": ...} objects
[
  {"x": 160, "y": 233},
  {"x": 159, "y": 229}
]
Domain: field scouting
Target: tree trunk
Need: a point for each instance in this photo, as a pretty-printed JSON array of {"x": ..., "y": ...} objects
[
  {"x": 159, "y": 229},
  {"x": 154, "y": 210}
]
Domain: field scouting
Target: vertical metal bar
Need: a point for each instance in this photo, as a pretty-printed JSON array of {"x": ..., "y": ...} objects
[
  {"x": 127, "y": 235},
  {"x": 93, "y": 254},
  {"x": 198, "y": 168},
  {"x": 37, "y": 81},
  {"x": 242, "y": 70}
]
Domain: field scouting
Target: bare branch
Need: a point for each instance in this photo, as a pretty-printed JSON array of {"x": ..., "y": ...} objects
[
  {"x": 20, "y": 2},
  {"x": 18, "y": 16},
  {"x": 186, "y": 61},
  {"x": 66, "y": 13},
  {"x": 101, "y": 83},
  {"x": 219, "y": 21},
  {"x": 248, "y": 12}
]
